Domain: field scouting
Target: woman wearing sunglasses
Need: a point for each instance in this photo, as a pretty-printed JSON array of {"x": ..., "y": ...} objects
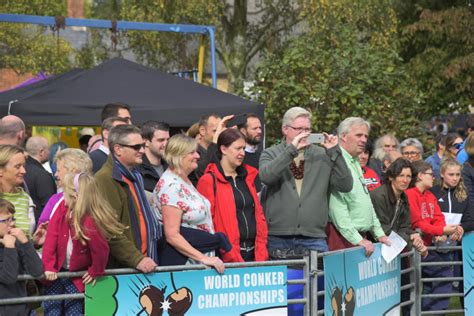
[{"x": 453, "y": 145}]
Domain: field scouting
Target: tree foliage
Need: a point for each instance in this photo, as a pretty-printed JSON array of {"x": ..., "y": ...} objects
[
  {"x": 26, "y": 48},
  {"x": 241, "y": 31},
  {"x": 438, "y": 46},
  {"x": 343, "y": 66}
]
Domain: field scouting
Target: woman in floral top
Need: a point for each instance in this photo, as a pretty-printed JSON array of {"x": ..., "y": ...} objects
[{"x": 180, "y": 204}]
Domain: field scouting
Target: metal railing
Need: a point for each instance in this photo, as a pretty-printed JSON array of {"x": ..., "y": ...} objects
[{"x": 311, "y": 272}]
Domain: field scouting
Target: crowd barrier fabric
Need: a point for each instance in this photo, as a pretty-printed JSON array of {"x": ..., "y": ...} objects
[
  {"x": 239, "y": 291},
  {"x": 360, "y": 285},
  {"x": 468, "y": 266}
]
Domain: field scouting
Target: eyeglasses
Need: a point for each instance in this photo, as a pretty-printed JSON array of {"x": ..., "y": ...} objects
[
  {"x": 8, "y": 220},
  {"x": 300, "y": 129},
  {"x": 429, "y": 173},
  {"x": 410, "y": 153},
  {"x": 136, "y": 147}
]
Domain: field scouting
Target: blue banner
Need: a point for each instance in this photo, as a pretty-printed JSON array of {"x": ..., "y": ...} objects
[
  {"x": 360, "y": 285},
  {"x": 242, "y": 291},
  {"x": 468, "y": 266}
]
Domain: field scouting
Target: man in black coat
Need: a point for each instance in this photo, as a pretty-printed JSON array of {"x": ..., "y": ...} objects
[{"x": 40, "y": 183}]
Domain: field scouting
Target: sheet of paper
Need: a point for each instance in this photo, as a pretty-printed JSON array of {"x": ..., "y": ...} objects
[
  {"x": 452, "y": 218},
  {"x": 397, "y": 245}
]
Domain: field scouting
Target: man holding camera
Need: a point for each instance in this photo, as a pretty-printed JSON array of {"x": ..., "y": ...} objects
[{"x": 299, "y": 177}]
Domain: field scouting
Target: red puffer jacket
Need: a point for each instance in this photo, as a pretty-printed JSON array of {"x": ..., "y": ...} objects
[{"x": 224, "y": 214}]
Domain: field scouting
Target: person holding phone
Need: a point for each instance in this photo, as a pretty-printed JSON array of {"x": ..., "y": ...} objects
[{"x": 298, "y": 177}]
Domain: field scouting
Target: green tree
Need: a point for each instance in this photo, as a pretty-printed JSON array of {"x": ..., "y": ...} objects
[
  {"x": 29, "y": 48},
  {"x": 242, "y": 32},
  {"x": 438, "y": 47},
  {"x": 343, "y": 66}
]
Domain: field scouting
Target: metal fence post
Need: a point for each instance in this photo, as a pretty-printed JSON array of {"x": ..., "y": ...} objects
[
  {"x": 416, "y": 309},
  {"x": 314, "y": 282},
  {"x": 307, "y": 288}
]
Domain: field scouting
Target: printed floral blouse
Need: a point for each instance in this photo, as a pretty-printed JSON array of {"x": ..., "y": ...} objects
[{"x": 172, "y": 190}]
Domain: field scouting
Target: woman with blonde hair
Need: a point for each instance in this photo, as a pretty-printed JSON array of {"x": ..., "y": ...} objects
[
  {"x": 12, "y": 172},
  {"x": 452, "y": 198},
  {"x": 180, "y": 204},
  {"x": 77, "y": 240}
]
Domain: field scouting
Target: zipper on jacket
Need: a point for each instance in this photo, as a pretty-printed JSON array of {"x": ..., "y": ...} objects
[
  {"x": 449, "y": 200},
  {"x": 243, "y": 213}
]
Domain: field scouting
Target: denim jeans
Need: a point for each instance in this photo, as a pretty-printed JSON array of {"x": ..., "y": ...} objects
[
  {"x": 297, "y": 242},
  {"x": 300, "y": 243}
]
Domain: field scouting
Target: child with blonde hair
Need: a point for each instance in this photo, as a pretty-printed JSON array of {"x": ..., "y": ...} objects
[{"x": 77, "y": 239}]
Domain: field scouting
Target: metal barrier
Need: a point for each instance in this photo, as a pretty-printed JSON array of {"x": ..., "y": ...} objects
[
  {"x": 304, "y": 263},
  {"x": 311, "y": 273}
]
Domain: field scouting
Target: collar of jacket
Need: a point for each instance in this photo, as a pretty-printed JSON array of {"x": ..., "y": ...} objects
[
  {"x": 246, "y": 171},
  {"x": 147, "y": 167}
]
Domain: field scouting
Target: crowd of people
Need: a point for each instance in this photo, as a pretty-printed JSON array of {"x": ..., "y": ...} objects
[{"x": 140, "y": 198}]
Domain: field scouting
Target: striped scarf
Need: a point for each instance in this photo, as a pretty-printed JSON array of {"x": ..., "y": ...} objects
[{"x": 153, "y": 226}]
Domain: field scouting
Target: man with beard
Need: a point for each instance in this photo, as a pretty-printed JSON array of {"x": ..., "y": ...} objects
[
  {"x": 156, "y": 135},
  {"x": 252, "y": 130}
]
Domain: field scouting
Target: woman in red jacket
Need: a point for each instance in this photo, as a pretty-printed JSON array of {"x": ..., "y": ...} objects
[
  {"x": 236, "y": 210},
  {"x": 76, "y": 240},
  {"x": 426, "y": 217}
]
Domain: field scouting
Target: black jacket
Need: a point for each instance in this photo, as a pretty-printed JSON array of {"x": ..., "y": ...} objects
[
  {"x": 149, "y": 174},
  {"x": 13, "y": 262},
  {"x": 391, "y": 218},
  {"x": 468, "y": 176},
  {"x": 40, "y": 184},
  {"x": 450, "y": 204}
]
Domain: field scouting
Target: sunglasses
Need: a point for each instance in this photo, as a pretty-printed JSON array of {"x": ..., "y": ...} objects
[
  {"x": 457, "y": 146},
  {"x": 136, "y": 147}
]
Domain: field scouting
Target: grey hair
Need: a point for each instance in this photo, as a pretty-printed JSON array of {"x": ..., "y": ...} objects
[
  {"x": 34, "y": 145},
  {"x": 293, "y": 113},
  {"x": 119, "y": 133},
  {"x": 379, "y": 152},
  {"x": 412, "y": 142},
  {"x": 346, "y": 125}
]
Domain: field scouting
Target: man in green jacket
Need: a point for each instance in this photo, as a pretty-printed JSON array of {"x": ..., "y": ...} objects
[
  {"x": 298, "y": 176},
  {"x": 122, "y": 186}
]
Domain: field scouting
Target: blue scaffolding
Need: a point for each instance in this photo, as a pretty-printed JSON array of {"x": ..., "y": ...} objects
[{"x": 123, "y": 25}]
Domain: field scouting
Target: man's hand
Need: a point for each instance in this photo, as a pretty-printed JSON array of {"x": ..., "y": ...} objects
[
  {"x": 441, "y": 238},
  {"x": 40, "y": 234},
  {"x": 214, "y": 262},
  {"x": 8, "y": 241},
  {"x": 329, "y": 141},
  {"x": 369, "y": 247},
  {"x": 50, "y": 275},
  {"x": 300, "y": 140},
  {"x": 19, "y": 234},
  {"x": 384, "y": 240},
  {"x": 146, "y": 265}
]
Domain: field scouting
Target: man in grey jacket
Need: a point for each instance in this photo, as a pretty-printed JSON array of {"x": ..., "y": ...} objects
[{"x": 298, "y": 178}]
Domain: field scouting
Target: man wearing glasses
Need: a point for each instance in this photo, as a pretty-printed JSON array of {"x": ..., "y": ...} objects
[
  {"x": 298, "y": 177},
  {"x": 352, "y": 214},
  {"x": 122, "y": 186}
]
